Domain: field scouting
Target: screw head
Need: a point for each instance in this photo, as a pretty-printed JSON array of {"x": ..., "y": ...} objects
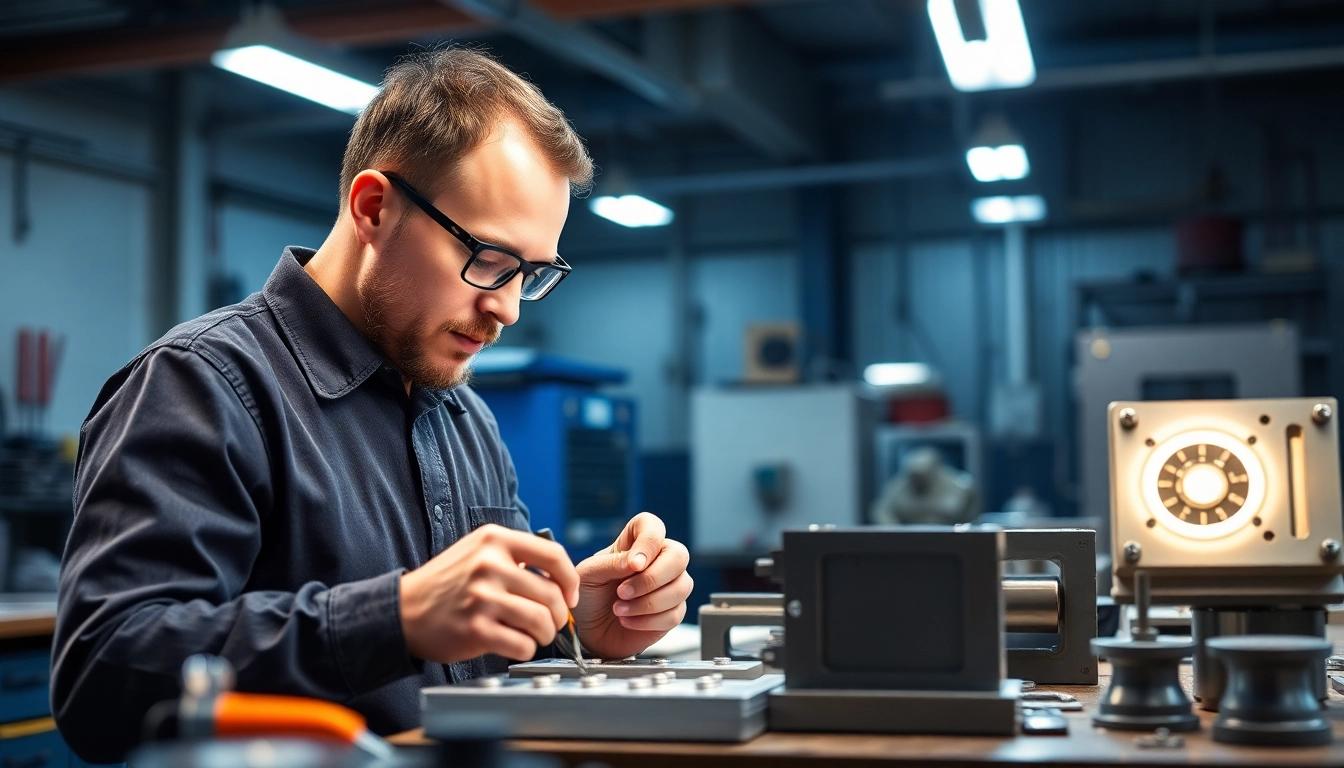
[
  {"x": 1321, "y": 413},
  {"x": 1129, "y": 419},
  {"x": 1133, "y": 552},
  {"x": 1330, "y": 549},
  {"x": 795, "y": 608}
]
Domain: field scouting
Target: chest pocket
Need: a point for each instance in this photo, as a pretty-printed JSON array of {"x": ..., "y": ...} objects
[{"x": 505, "y": 516}]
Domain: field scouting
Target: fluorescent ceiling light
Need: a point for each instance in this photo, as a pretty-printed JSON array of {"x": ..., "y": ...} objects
[
  {"x": 1008, "y": 210},
  {"x": 1001, "y": 60},
  {"x": 998, "y": 163},
  {"x": 631, "y": 210},
  {"x": 300, "y": 77},
  {"x": 898, "y": 374}
]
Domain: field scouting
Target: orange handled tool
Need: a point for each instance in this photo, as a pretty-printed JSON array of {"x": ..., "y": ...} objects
[
  {"x": 256, "y": 714},
  {"x": 209, "y": 708}
]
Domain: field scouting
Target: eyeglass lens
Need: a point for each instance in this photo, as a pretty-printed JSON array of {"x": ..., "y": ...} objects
[{"x": 492, "y": 268}]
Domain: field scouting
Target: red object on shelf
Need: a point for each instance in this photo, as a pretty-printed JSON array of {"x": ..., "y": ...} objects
[
  {"x": 1209, "y": 244},
  {"x": 917, "y": 410}
]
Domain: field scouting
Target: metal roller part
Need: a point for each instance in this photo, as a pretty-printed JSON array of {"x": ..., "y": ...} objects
[{"x": 1031, "y": 604}]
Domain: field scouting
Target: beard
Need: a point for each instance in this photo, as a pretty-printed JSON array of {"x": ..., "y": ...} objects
[{"x": 407, "y": 349}]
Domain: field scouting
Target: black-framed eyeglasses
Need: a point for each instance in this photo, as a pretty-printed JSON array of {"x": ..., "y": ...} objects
[{"x": 490, "y": 266}]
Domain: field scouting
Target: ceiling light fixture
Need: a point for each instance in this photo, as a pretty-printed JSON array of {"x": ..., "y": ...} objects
[
  {"x": 261, "y": 48},
  {"x": 631, "y": 210},
  {"x": 1008, "y": 210},
  {"x": 1001, "y": 60},
  {"x": 898, "y": 374}
]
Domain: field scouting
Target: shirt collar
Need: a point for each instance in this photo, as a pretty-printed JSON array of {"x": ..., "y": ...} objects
[{"x": 334, "y": 355}]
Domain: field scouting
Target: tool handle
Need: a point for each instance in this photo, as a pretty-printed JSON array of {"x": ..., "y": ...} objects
[{"x": 254, "y": 714}]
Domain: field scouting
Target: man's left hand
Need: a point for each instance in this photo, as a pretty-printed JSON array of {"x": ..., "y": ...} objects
[{"x": 634, "y": 592}]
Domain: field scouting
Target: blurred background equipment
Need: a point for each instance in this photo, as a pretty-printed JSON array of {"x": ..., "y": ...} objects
[
  {"x": 926, "y": 491},
  {"x": 1233, "y": 508},
  {"x": 745, "y": 440},
  {"x": 771, "y": 353},
  {"x": 573, "y": 446}
]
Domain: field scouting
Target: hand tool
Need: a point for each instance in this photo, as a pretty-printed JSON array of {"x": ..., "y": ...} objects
[{"x": 569, "y": 648}]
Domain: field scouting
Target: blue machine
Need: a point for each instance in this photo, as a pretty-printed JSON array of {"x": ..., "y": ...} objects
[{"x": 573, "y": 446}]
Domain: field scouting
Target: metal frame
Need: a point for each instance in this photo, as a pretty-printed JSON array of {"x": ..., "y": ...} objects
[{"x": 1070, "y": 661}]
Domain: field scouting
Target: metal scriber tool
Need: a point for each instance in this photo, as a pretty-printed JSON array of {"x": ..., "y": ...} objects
[{"x": 568, "y": 644}]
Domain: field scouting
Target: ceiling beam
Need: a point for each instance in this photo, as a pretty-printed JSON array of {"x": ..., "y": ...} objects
[{"x": 388, "y": 22}]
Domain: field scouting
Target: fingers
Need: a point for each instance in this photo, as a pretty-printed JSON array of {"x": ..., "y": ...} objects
[
  {"x": 538, "y": 553},
  {"x": 504, "y": 640},
  {"x": 536, "y": 588},
  {"x": 665, "y": 598},
  {"x": 648, "y": 533},
  {"x": 667, "y": 566},
  {"x": 526, "y": 616},
  {"x": 655, "y": 622}
]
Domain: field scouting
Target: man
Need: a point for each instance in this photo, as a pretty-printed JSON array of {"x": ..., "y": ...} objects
[{"x": 300, "y": 483}]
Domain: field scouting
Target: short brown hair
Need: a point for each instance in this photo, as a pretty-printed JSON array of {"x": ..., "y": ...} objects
[{"x": 437, "y": 105}]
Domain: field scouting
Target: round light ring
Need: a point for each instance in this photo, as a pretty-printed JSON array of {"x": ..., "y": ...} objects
[{"x": 1203, "y": 484}]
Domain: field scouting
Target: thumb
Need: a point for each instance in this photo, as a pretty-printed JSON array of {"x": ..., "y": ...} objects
[
  {"x": 603, "y": 567},
  {"x": 649, "y": 534}
]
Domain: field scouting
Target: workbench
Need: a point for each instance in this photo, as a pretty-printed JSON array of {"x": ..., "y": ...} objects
[{"x": 1084, "y": 745}]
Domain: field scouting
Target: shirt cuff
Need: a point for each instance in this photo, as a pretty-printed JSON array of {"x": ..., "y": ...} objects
[{"x": 365, "y": 621}]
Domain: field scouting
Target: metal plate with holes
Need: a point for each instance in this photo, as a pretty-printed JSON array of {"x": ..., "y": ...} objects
[
  {"x": 565, "y": 708},
  {"x": 627, "y": 668},
  {"x": 1227, "y": 502}
]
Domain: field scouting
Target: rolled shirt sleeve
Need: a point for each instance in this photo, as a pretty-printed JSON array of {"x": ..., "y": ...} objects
[{"x": 173, "y": 492}]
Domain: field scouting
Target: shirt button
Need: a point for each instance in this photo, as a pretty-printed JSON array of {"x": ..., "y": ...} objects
[{"x": 438, "y": 512}]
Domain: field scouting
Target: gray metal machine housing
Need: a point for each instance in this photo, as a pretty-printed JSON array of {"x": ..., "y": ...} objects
[{"x": 1058, "y": 654}]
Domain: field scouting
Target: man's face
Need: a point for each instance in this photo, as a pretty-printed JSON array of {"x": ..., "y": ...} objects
[{"x": 417, "y": 308}]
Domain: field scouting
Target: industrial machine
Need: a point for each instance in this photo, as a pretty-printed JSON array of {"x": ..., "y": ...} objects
[
  {"x": 574, "y": 447},
  {"x": 1231, "y": 507},
  {"x": 1048, "y": 619},
  {"x": 766, "y": 459},
  {"x": 929, "y": 659}
]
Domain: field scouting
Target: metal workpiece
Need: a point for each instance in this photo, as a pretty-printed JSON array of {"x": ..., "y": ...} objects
[
  {"x": 624, "y": 669},
  {"x": 643, "y": 708},
  {"x": 1270, "y": 697},
  {"x": 1145, "y": 691},
  {"x": 1031, "y": 604},
  {"x": 1208, "y": 624}
]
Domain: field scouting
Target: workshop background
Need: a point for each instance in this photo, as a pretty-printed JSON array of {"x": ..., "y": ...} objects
[{"x": 818, "y": 214}]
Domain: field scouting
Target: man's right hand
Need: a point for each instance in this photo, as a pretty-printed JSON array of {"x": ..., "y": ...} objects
[{"x": 473, "y": 598}]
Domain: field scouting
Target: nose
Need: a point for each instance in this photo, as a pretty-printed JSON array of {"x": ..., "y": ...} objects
[{"x": 502, "y": 303}]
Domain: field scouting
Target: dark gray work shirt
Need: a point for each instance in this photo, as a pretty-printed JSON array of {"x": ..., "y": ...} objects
[{"x": 253, "y": 485}]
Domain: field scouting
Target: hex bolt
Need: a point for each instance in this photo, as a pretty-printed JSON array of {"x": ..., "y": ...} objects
[
  {"x": 1321, "y": 413},
  {"x": 1329, "y": 549},
  {"x": 1133, "y": 552},
  {"x": 1128, "y": 418},
  {"x": 795, "y": 608}
]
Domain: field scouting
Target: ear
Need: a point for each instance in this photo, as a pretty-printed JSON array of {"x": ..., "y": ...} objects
[{"x": 372, "y": 206}]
